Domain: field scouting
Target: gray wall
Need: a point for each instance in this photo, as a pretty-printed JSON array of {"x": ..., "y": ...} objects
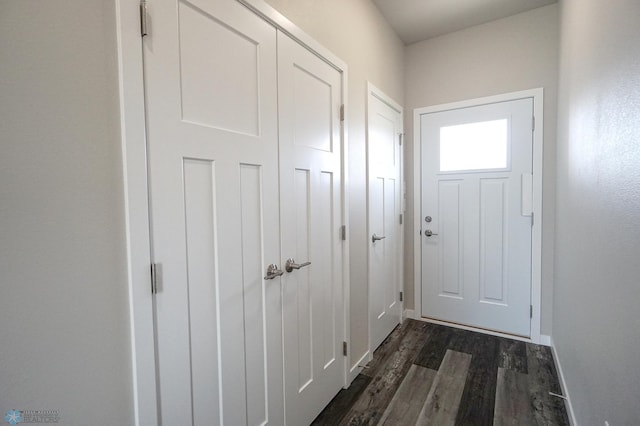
[
  {"x": 507, "y": 55},
  {"x": 596, "y": 326},
  {"x": 356, "y": 32},
  {"x": 63, "y": 293}
]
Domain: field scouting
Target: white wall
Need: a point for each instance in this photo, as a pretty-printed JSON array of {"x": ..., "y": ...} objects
[
  {"x": 507, "y": 55},
  {"x": 63, "y": 293},
  {"x": 356, "y": 32},
  {"x": 596, "y": 326}
]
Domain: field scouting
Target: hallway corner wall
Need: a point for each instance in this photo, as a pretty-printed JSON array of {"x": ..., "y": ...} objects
[
  {"x": 65, "y": 312},
  {"x": 595, "y": 318}
]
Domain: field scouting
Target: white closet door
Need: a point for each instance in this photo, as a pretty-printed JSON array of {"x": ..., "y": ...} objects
[
  {"x": 210, "y": 75},
  {"x": 385, "y": 203},
  {"x": 310, "y": 199}
]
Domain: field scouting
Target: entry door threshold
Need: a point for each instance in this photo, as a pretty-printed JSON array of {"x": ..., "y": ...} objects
[{"x": 477, "y": 329}]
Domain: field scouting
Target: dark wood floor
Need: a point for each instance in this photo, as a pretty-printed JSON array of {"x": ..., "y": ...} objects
[{"x": 430, "y": 374}]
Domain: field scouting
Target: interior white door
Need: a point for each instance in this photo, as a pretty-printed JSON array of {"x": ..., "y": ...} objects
[
  {"x": 310, "y": 97},
  {"x": 385, "y": 206},
  {"x": 211, "y": 96},
  {"x": 476, "y": 216}
]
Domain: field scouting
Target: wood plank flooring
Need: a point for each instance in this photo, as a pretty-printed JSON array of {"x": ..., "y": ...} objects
[{"x": 429, "y": 374}]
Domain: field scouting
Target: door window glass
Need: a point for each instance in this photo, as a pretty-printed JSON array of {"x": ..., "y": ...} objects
[{"x": 474, "y": 146}]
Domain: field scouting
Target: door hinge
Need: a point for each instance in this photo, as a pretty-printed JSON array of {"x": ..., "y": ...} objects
[
  {"x": 530, "y": 311},
  {"x": 400, "y": 219},
  {"x": 154, "y": 279},
  {"x": 532, "y": 219},
  {"x": 533, "y": 124},
  {"x": 343, "y": 232},
  {"x": 342, "y": 112},
  {"x": 344, "y": 348},
  {"x": 143, "y": 18},
  {"x": 401, "y": 136},
  {"x": 401, "y": 296}
]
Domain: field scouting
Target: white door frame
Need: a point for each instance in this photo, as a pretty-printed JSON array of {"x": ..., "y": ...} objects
[
  {"x": 536, "y": 231},
  {"x": 373, "y": 91},
  {"x": 136, "y": 196}
]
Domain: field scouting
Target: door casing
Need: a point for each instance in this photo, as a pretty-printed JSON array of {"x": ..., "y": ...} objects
[
  {"x": 136, "y": 192},
  {"x": 536, "y": 231}
]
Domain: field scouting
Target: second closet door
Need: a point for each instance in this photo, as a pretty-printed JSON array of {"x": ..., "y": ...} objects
[
  {"x": 211, "y": 98},
  {"x": 309, "y": 101}
]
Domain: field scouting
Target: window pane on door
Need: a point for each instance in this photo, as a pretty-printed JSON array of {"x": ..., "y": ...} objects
[{"x": 474, "y": 146}]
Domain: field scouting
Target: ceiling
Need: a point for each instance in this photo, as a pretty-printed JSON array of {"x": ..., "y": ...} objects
[{"x": 417, "y": 20}]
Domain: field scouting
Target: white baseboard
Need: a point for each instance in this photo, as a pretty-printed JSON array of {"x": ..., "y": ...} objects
[
  {"x": 408, "y": 313},
  {"x": 358, "y": 366},
  {"x": 545, "y": 340},
  {"x": 563, "y": 384}
]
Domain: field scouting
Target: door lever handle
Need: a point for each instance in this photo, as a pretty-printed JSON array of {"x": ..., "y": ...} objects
[
  {"x": 291, "y": 265},
  {"x": 375, "y": 238},
  {"x": 429, "y": 233},
  {"x": 272, "y": 272}
]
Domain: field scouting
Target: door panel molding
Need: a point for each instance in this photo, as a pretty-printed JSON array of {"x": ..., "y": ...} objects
[{"x": 537, "y": 95}]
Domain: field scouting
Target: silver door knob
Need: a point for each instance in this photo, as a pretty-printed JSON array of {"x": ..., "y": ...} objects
[
  {"x": 291, "y": 265},
  {"x": 375, "y": 238},
  {"x": 272, "y": 272},
  {"x": 428, "y": 233}
]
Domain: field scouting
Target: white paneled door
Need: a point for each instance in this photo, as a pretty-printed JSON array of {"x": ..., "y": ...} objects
[
  {"x": 477, "y": 216},
  {"x": 384, "y": 153},
  {"x": 310, "y": 97},
  {"x": 211, "y": 96}
]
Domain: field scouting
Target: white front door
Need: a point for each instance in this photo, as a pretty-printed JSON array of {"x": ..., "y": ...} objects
[
  {"x": 476, "y": 216},
  {"x": 385, "y": 204},
  {"x": 211, "y": 97},
  {"x": 310, "y": 97}
]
